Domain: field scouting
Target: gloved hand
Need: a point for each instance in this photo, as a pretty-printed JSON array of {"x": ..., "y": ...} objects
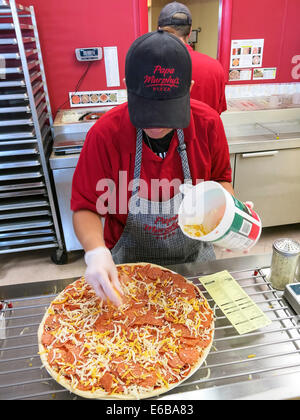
[
  {"x": 249, "y": 204},
  {"x": 101, "y": 273}
]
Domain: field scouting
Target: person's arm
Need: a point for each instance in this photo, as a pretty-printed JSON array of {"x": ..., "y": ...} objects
[
  {"x": 101, "y": 272},
  {"x": 89, "y": 229},
  {"x": 94, "y": 164},
  {"x": 228, "y": 187}
]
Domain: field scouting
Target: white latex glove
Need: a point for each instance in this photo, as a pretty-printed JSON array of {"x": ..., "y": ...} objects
[
  {"x": 249, "y": 204},
  {"x": 101, "y": 273}
]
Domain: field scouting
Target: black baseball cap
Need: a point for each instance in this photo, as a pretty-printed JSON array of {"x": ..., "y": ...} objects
[
  {"x": 158, "y": 73},
  {"x": 167, "y": 15}
]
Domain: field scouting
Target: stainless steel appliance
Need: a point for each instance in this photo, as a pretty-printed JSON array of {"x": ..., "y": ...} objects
[
  {"x": 70, "y": 129},
  {"x": 264, "y": 364},
  {"x": 265, "y": 151}
]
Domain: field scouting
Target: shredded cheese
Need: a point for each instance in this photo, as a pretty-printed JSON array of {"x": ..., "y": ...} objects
[{"x": 91, "y": 338}]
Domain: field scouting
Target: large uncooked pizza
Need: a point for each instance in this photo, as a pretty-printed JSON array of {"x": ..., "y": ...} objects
[{"x": 158, "y": 337}]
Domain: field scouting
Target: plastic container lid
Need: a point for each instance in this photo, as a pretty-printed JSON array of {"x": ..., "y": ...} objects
[{"x": 287, "y": 247}]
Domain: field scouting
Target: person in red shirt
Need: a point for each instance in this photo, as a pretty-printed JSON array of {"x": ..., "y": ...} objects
[
  {"x": 135, "y": 158},
  {"x": 207, "y": 73}
]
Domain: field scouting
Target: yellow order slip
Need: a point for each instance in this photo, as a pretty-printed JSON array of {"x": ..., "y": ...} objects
[{"x": 234, "y": 302}]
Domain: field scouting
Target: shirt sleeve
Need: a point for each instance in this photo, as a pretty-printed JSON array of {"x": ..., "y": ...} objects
[
  {"x": 93, "y": 166},
  {"x": 222, "y": 103},
  {"x": 220, "y": 159}
]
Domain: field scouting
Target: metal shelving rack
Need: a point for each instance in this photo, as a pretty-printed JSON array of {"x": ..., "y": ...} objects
[{"x": 28, "y": 218}]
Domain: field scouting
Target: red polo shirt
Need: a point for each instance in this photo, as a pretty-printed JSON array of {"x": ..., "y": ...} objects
[
  {"x": 110, "y": 148},
  {"x": 209, "y": 77}
]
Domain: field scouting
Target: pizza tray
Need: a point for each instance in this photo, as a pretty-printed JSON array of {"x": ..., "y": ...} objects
[{"x": 261, "y": 364}]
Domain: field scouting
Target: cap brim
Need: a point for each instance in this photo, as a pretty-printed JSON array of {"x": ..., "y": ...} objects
[{"x": 167, "y": 113}]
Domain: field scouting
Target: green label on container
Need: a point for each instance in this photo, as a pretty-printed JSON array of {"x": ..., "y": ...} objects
[
  {"x": 235, "y": 226},
  {"x": 237, "y": 223},
  {"x": 241, "y": 206}
]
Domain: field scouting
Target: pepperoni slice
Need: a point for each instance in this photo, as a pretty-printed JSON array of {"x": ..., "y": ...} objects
[
  {"x": 149, "y": 380},
  {"x": 70, "y": 356},
  {"x": 154, "y": 273},
  {"x": 185, "y": 332},
  {"x": 175, "y": 362},
  {"x": 142, "y": 297},
  {"x": 169, "y": 377},
  {"x": 207, "y": 322},
  {"x": 51, "y": 357},
  {"x": 124, "y": 278},
  {"x": 52, "y": 323},
  {"x": 47, "y": 339},
  {"x": 189, "y": 289},
  {"x": 102, "y": 323},
  {"x": 72, "y": 306},
  {"x": 148, "y": 319},
  {"x": 121, "y": 369},
  {"x": 165, "y": 275},
  {"x": 84, "y": 387},
  {"x": 74, "y": 353},
  {"x": 106, "y": 381},
  {"x": 189, "y": 355},
  {"x": 178, "y": 280},
  {"x": 190, "y": 342},
  {"x": 143, "y": 269},
  {"x": 137, "y": 370},
  {"x": 186, "y": 288},
  {"x": 204, "y": 343}
]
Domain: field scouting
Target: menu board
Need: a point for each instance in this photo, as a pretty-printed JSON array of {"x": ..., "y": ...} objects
[
  {"x": 264, "y": 74},
  {"x": 246, "y": 53}
]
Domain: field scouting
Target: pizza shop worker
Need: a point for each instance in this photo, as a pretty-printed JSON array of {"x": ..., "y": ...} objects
[
  {"x": 207, "y": 73},
  {"x": 160, "y": 134}
]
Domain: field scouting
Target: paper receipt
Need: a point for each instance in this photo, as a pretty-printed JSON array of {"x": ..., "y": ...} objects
[{"x": 237, "y": 306}]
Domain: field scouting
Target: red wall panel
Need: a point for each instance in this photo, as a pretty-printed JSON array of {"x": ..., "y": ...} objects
[
  {"x": 68, "y": 24},
  {"x": 291, "y": 44},
  {"x": 276, "y": 21}
]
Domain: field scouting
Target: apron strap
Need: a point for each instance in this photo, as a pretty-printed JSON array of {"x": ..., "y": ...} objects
[
  {"x": 184, "y": 159},
  {"x": 138, "y": 159}
]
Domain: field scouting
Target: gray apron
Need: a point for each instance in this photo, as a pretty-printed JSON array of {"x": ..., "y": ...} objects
[{"x": 153, "y": 234}]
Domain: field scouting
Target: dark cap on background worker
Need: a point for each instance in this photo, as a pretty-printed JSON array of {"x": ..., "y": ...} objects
[
  {"x": 207, "y": 73},
  {"x": 175, "y": 14}
]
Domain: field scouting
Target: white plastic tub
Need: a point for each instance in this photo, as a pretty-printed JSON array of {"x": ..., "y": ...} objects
[{"x": 227, "y": 222}]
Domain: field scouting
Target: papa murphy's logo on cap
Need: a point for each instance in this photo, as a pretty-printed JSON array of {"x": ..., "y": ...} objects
[{"x": 162, "y": 79}]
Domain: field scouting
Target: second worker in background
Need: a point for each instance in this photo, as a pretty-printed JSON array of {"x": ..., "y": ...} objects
[{"x": 207, "y": 73}]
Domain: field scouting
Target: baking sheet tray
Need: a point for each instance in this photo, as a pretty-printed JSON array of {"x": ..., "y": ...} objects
[{"x": 24, "y": 225}]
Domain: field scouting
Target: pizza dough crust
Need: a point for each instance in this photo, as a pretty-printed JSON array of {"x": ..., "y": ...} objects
[{"x": 98, "y": 394}]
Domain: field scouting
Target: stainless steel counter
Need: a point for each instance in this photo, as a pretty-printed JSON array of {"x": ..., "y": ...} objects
[
  {"x": 245, "y": 144},
  {"x": 245, "y": 131},
  {"x": 256, "y": 131},
  {"x": 261, "y": 364}
]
